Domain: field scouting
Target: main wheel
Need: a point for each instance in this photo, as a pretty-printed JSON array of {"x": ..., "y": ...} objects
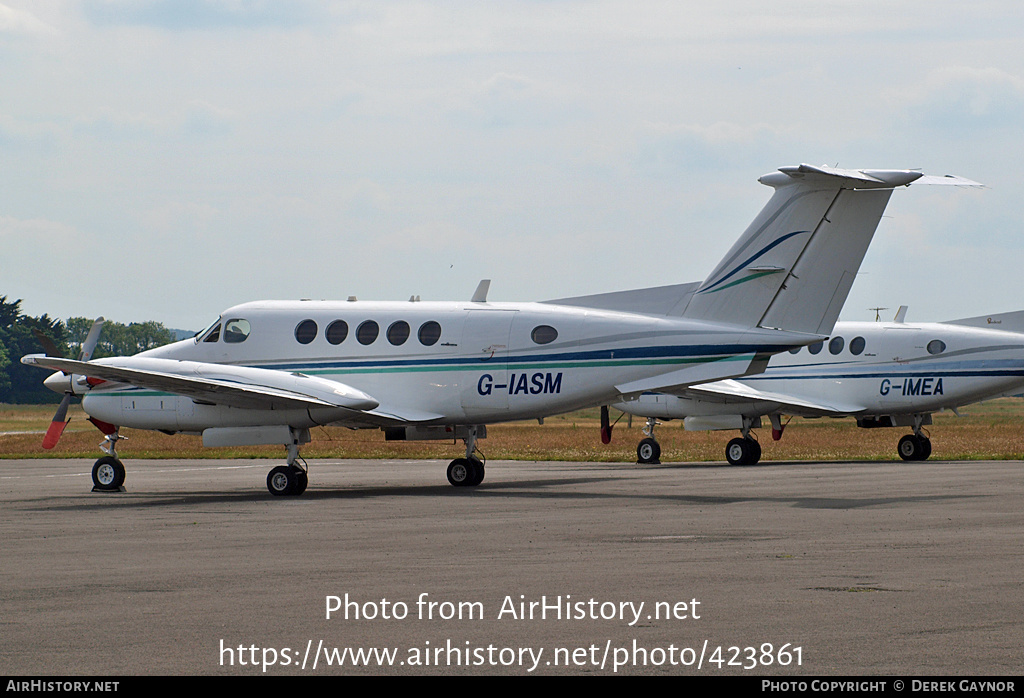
[
  {"x": 461, "y": 472},
  {"x": 914, "y": 447},
  {"x": 742, "y": 452},
  {"x": 648, "y": 451},
  {"x": 283, "y": 481},
  {"x": 107, "y": 474},
  {"x": 477, "y": 468},
  {"x": 301, "y": 480}
]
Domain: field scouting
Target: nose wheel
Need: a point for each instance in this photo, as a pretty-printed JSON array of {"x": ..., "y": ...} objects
[
  {"x": 107, "y": 475},
  {"x": 648, "y": 451}
]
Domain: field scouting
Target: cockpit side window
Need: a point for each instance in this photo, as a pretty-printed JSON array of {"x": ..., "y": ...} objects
[{"x": 236, "y": 331}]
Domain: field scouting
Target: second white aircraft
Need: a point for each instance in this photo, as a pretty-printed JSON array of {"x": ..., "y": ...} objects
[{"x": 885, "y": 374}]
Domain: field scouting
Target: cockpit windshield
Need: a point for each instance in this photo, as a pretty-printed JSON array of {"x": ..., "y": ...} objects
[{"x": 210, "y": 334}]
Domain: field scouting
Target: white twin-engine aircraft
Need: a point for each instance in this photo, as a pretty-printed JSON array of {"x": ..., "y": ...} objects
[
  {"x": 885, "y": 374},
  {"x": 266, "y": 372}
]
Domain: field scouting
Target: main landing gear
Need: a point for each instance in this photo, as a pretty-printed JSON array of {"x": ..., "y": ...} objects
[
  {"x": 468, "y": 471},
  {"x": 916, "y": 446},
  {"x": 290, "y": 480},
  {"x": 744, "y": 450},
  {"x": 740, "y": 451}
]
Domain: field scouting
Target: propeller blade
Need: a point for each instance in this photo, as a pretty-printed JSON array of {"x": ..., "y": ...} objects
[
  {"x": 90, "y": 341},
  {"x": 60, "y": 420},
  {"x": 47, "y": 344},
  {"x": 57, "y": 425}
]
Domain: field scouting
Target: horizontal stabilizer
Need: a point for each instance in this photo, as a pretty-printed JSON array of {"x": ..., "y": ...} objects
[
  {"x": 794, "y": 266},
  {"x": 1007, "y": 322}
]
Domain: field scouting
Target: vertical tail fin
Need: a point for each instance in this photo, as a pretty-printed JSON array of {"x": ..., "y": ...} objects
[{"x": 793, "y": 267}]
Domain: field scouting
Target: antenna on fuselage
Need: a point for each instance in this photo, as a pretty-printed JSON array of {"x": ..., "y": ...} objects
[
  {"x": 480, "y": 295},
  {"x": 878, "y": 318}
]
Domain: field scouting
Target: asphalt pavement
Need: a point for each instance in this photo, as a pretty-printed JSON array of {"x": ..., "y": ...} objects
[{"x": 552, "y": 568}]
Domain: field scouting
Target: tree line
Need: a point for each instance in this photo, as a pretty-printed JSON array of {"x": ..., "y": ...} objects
[{"x": 24, "y": 384}]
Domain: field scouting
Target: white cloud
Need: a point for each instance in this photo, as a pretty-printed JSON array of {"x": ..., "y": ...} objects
[{"x": 21, "y": 22}]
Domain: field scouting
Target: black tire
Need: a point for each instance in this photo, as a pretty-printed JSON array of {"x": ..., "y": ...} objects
[
  {"x": 648, "y": 451},
  {"x": 913, "y": 448},
  {"x": 107, "y": 474},
  {"x": 755, "y": 452},
  {"x": 478, "y": 472},
  {"x": 282, "y": 481},
  {"x": 301, "y": 481},
  {"x": 909, "y": 448},
  {"x": 461, "y": 472},
  {"x": 742, "y": 451}
]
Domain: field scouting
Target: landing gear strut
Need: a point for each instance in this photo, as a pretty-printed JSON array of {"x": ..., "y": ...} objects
[
  {"x": 290, "y": 480},
  {"x": 745, "y": 450},
  {"x": 468, "y": 471},
  {"x": 649, "y": 450}
]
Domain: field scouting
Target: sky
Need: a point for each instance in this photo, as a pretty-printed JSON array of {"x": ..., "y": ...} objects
[{"x": 166, "y": 159}]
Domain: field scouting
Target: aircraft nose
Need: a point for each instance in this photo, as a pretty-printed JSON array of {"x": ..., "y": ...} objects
[{"x": 59, "y": 382}]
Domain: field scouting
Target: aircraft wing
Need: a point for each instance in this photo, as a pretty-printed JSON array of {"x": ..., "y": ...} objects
[
  {"x": 737, "y": 390},
  {"x": 235, "y": 386}
]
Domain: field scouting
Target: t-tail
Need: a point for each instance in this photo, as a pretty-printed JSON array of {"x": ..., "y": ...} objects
[{"x": 793, "y": 267}]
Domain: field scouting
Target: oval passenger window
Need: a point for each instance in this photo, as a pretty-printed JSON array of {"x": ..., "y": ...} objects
[{"x": 544, "y": 334}]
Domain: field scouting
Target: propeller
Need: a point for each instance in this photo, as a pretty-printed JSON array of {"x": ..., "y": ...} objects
[{"x": 60, "y": 420}]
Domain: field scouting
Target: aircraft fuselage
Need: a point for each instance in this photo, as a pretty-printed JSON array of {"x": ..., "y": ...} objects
[
  {"x": 898, "y": 368},
  {"x": 450, "y": 363}
]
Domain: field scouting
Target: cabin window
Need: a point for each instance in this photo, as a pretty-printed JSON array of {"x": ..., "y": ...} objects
[
  {"x": 795, "y": 350},
  {"x": 213, "y": 335},
  {"x": 816, "y": 347},
  {"x": 544, "y": 334},
  {"x": 337, "y": 332},
  {"x": 236, "y": 331},
  {"x": 367, "y": 332},
  {"x": 305, "y": 331},
  {"x": 936, "y": 346},
  {"x": 857, "y": 346},
  {"x": 429, "y": 333},
  {"x": 836, "y": 345},
  {"x": 398, "y": 332}
]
